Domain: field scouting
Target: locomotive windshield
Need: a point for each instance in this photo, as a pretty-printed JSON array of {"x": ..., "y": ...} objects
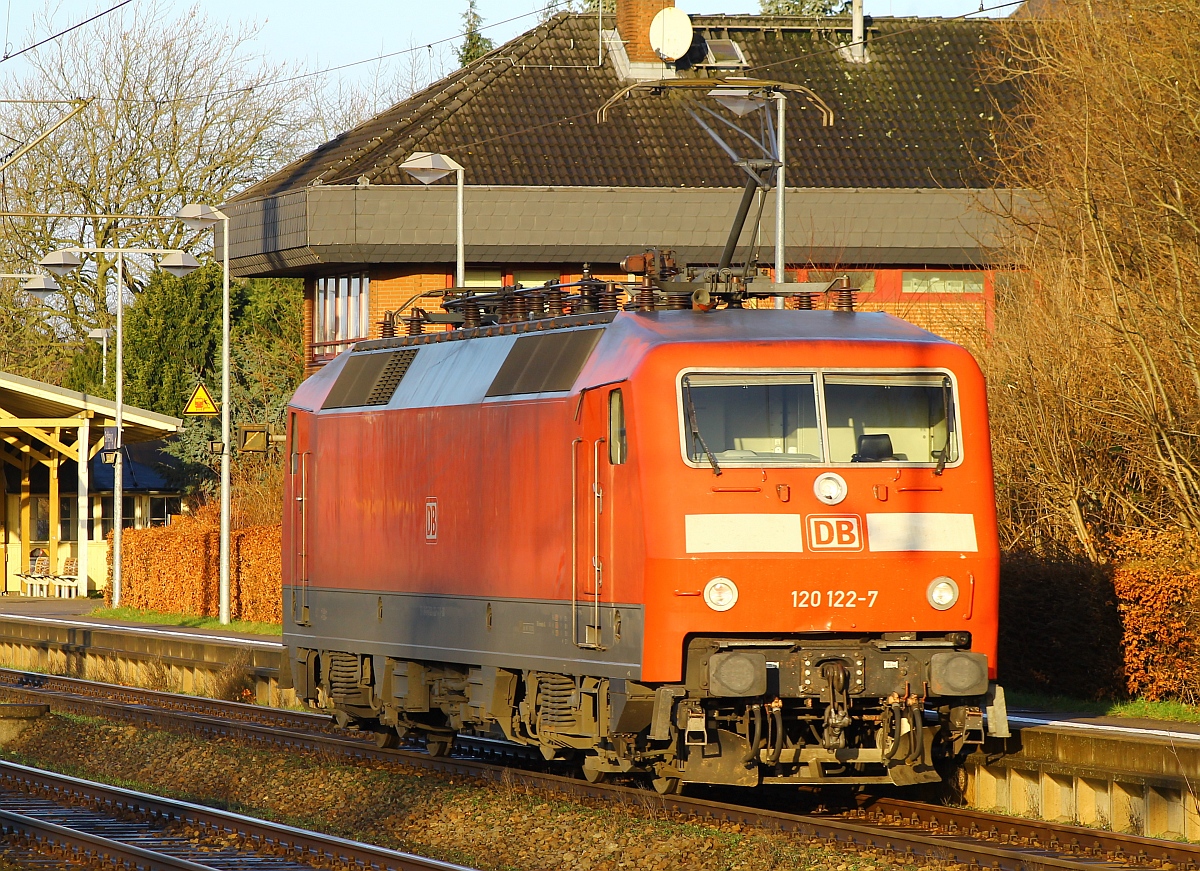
[
  {"x": 766, "y": 418},
  {"x": 881, "y": 418},
  {"x": 753, "y": 418}
]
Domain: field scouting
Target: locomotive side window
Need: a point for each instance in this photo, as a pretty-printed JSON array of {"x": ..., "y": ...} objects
[
  {"x": 618, "y": 444},
  {"x": 890, "y": 418},
  {"x": 752, "y": 419}
]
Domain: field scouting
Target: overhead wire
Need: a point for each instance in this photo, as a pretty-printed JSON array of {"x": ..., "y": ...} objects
[
  {"x": 551, "y": 4},
  {"x": 63, "y": 32}
]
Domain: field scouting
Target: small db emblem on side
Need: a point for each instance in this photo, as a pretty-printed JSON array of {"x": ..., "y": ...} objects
[
  {"x": 830, "y": 532},
  {"x": 431, "y": 520}
]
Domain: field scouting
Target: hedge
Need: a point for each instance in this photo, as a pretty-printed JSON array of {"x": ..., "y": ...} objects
[{"x": 176, "y": 569}]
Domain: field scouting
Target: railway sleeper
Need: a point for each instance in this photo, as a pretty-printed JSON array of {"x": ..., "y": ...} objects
[{"x": 832, "y": 730}]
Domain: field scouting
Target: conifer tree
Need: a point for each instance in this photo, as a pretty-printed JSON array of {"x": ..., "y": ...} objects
[{"x": 475, "y": 45}]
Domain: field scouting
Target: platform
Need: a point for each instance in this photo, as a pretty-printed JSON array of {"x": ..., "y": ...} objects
[
  {"x": 1130, "y": 775},
  {"x": 58, "y": 636}
]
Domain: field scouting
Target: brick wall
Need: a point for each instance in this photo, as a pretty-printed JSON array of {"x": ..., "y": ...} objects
[
  {"x": 393, "y": 288},
  {"x": 633, "y": 25}
]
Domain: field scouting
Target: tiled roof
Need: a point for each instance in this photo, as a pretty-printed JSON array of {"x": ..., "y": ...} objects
[{"x": 916, "y": 116}]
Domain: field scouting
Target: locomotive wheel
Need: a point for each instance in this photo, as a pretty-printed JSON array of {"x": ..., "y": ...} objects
[
  {"x": 667, "y": 785},
  {"x": 591, "y": 773},
  {"x": 386, "y": 738},
  {"x": 438, "y": 746}
]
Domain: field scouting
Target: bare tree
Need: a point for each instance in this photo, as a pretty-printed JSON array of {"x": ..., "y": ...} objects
[
  {"x": 183, "y": 110},
  {"x": 1096, "y": 361},
  {"x": 339, "y": 104}
]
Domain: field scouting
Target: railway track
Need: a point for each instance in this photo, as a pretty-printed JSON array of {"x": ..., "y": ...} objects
[
  {"x": 47, "y": 815},
  {"x": 896, "y": 829}
]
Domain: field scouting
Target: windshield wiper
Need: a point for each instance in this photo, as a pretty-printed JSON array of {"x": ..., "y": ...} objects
[
  {"x": 690, "y": 409},
  {"x": 945, "y": 452}
]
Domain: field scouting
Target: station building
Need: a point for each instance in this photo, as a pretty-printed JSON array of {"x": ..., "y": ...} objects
[
  {"x": 56, "y": 493},
  {"x": 896, "y": 191}
]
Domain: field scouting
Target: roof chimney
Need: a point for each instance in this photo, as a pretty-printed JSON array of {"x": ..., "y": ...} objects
[
  {"x": 633, "y": 25},
  {"x": 855, "y": 51},
  {"x": 858, "y": 46}
]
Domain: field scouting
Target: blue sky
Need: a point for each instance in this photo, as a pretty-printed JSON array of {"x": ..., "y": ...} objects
[{"x": 318, "y": 34}]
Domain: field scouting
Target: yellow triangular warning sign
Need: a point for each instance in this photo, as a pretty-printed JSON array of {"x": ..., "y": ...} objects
[{"x": 201, "y": 402}]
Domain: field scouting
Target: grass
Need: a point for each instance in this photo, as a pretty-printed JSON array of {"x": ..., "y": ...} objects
[
  {"x": 1171, "y": 711},
  {"x": 193, "y": 621}
]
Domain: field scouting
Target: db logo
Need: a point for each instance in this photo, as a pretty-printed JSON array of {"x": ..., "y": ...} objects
[
  {"x": 431, "y": 520},
  {"x": 834, "y": 533}
]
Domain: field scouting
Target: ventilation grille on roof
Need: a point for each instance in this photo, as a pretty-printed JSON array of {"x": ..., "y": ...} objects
[
  {"x": 545, "y": 363},
  {"x": 389, "y": 379},
  {"x": 369, "y": 379}
]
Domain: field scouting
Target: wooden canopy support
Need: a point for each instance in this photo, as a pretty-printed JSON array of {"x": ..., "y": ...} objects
[{"x": 44, "y": 429}]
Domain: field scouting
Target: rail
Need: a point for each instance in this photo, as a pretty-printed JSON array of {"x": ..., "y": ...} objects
[{"x": 72, "y": 817}]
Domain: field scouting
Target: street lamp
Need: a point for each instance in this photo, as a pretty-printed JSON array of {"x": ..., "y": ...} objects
[
  {"x": 197, "y": 216},
  {"x": 60, "y": 263},
  {"x": 101, "y": 334},
  {"x": 427, "y": 167},
  {"x": 38, "y": 286}
]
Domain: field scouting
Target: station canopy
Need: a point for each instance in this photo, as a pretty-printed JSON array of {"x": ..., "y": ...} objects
[{"x": 34, "y": 413}]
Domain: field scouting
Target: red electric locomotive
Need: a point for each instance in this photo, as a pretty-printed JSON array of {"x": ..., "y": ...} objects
[{"x": 687, "y": 539}]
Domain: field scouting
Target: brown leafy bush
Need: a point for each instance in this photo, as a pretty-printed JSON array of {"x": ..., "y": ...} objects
[
  {"x": 1158, "y": 592},
  {"x": 176, "y": 569}
]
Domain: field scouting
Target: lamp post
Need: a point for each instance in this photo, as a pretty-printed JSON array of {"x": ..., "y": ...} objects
[
  {"x": 197, "y": 216},
  {"x": 427, "y": 167},
  {"x": 67, "y": 260},
  {"x": 780, "y": 190}
]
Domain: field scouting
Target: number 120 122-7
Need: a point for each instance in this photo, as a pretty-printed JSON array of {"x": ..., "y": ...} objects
[{"x": 833, "y": 598}]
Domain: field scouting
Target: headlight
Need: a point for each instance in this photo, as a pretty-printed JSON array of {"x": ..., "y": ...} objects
[
  {"x": 942, "y": 593},
  {"x": 830, "y": 488},
  {"x": 720, "y": 594}
]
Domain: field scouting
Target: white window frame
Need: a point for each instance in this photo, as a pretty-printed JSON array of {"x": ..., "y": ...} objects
[{"x": 341, "y": 312}]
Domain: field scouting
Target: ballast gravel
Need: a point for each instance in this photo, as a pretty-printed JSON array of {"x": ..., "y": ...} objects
[{"x": 492, "y": 827}]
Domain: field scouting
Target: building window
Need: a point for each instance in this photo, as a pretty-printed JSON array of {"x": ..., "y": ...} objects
[
  {"x": 341, "y": 312},
  {"x": 943, "y": 282},
  {"x": 483, "y": 278},
  {"x": 39, "y": 519},
  {"x": 535, "y": 277},
  {"x": 163, "y": 509},
  {"x": 106, "y": 514}
]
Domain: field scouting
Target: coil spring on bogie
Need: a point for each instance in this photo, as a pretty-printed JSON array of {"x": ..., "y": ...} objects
[
  {"x": 555, "y": 695},
  {"x": 343, "y": 672}
]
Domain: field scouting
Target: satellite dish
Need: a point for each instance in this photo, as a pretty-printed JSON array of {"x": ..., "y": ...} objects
[{"x": 671, "y": 33}]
